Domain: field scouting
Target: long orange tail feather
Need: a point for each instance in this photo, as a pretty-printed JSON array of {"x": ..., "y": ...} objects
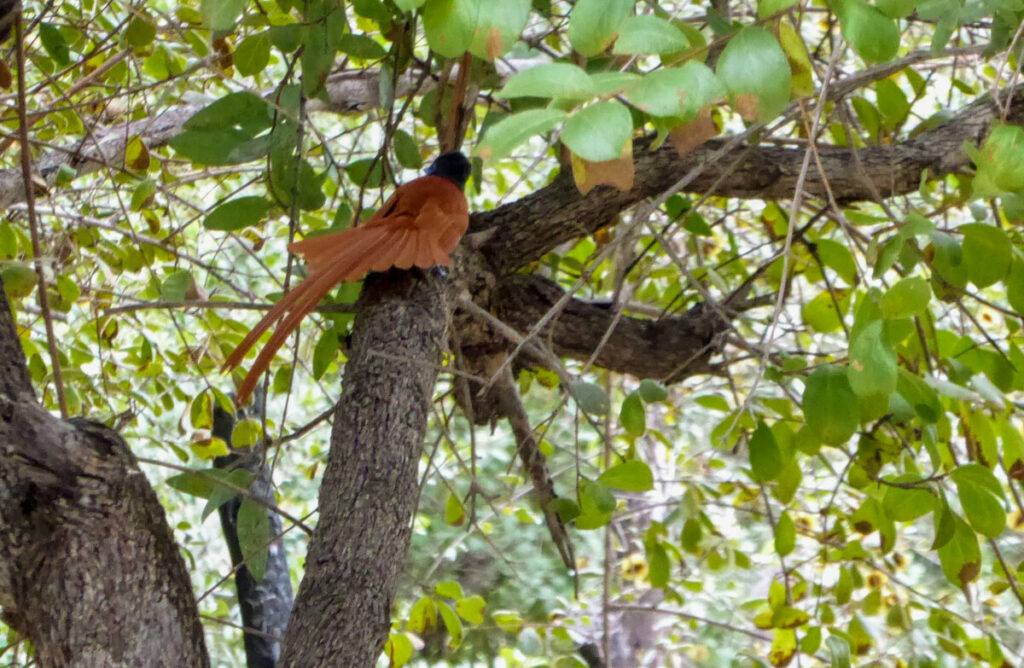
[{"x": 332, "y": 259}]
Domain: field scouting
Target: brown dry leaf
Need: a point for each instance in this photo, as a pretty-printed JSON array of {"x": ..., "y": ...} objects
[
  {"x": 689, "y": 136},
  {"x": 618, "y": 172},
  {"x": 746, "y": 106},
  {"x": 5, "y": 76},
  {"x": 493, "y": 44}
]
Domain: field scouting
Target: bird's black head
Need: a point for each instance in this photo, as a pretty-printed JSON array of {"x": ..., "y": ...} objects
[{"x": 453, "y": 166}]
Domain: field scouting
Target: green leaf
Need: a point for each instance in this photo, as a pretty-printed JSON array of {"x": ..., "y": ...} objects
[
  {"x": 948, "y": 261},
  {"x": 407, "y": 151},
  {"x": 652, "y": 391},
  {"x": 449, "y": 589},
  {"x": 471, "y": 609},
  {"x": 837, "y": 257},
  {"x": 632, "y": 416},
  {"x": 839, "y": 652},
  {"x": 452, "y": 624},
  {"x": 596, "y": 505},
  {"x": 920, "y": 395},
  {"x": 873, "y": 366},
  {"x": 766, "y": 8},
  {"x": 54, "y": 43},
  {"x": 756, "y": 73},
  {"x": 19, "y": 279},
  {"x": 1015, "y": 286},
  {"x": 175, "y": 286},
  {"x": 246, "y": 433},
  {"x": 980, "y": 494},
  {"x": 903, "y": 504},
  {"x": 986, "y": 253},
  {"x": 423, "y": 616},
  {"x": 498, "y": 27},
  {"x": 549, "y": 80},
  {"x": 658, "y": 566},
  {"x": 508, "y": 621},
  {"x": 649, "y": 34},
  {"x": 361, "y": 46},
  {"x": 317, "y": 58},
  {"x": 599, "y": 132},
  {"x": 237, "y": 213},
  {"x": 323, "y": 354},
  {"x": 765, "y": 456},
  {"x": 892, "y": 102},
  {"x": 961, "y": 554},
  {"x": 287, "y": 37},
  {"x": 871, "y": 517},
  {"x": 824, "y": 313},
  {"x": 908, "y": 297},
  {"x": 691, "y": 535},
  {"x": 785, "y": 535},
  {"x": 512, "y": 131},
  {"x": 449, "y": 25},
  {"x": 253, "y": 54},
  {"x": 677, "y": 91},
  {"x": 409, "y": 5},
  {"x": 874, "y": 36},
  {"x": 254, "y": 537},
  {"x": 631, "y": 475},
  {"x": 399, "y": 649},
  {"x": 897, "y": 9},
  {"x": 454, "y": 513},
  {"x": 567, "y": 509},
  {"x": 590, "y": 397},
  {"x": 141, "y": 32},
  {"x": 613, "y": 83},
  {"x": 227, "y": 146},
  {"x": 594, "y": 24},
  {"x": 367, "y": 172},
  {"x": 221, "y": 14},
  {"x": 830, "y": 405},
  {"x": 999, "y": 162}
]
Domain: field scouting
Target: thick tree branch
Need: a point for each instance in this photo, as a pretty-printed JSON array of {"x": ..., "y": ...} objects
[
  {"x": 530, "y": 227},
  {"x": 343, "y": 610},
  {"x": 89, "y": 569},
  {"x": 669, "y": 349}
]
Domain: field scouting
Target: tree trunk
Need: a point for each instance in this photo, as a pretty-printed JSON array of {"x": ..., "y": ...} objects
[
  {"x": 343, "y": 610},
  {"x": 89, "y": 570}
]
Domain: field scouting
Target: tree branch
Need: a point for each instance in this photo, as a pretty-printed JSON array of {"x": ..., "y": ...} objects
[
  {"x": 530, "y": 227},
  {"x": 670, "y": 349}
]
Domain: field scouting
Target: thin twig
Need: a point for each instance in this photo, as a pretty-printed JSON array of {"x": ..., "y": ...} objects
[{"x": 33, "y": 222}]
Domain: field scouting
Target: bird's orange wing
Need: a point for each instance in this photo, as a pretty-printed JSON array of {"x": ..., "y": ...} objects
[{"x": 419, "y": 225}]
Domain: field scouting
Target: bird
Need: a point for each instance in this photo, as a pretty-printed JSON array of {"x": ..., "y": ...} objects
[{"x": 418, "y": 226}]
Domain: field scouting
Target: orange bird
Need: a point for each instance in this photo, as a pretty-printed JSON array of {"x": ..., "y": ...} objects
[{"x": 418, "y": 226}]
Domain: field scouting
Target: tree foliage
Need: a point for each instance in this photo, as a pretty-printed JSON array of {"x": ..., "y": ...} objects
[{"x": 743, "y": 293}]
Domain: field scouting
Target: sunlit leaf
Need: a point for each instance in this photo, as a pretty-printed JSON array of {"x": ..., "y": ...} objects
[
  {"x": 512, "y": 131},
  {"x": 632, "y": 475},
  {"x": 594, "y": 24},
  {"x": 599, "y": 131},
  {"x": 873, "y": 35},
  {"x": 756, "y": 73}
]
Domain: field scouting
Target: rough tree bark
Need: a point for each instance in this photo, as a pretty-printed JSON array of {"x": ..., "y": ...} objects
[
  {"x": 343, "y": 610},
  {"x": 89, "y": 570}
]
